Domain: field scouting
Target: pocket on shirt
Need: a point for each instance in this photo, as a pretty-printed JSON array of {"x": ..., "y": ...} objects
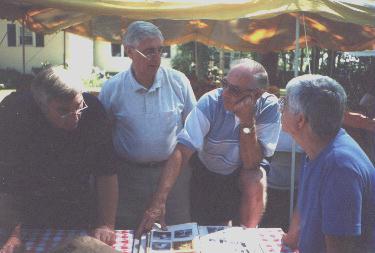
[{"x": 167, "y": 121}]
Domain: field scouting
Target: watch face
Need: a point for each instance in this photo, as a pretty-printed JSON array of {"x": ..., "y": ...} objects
[{"x": 246, "y": 130}]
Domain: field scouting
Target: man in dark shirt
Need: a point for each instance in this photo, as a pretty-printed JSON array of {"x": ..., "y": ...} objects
[{"x": 57, "y": 163}]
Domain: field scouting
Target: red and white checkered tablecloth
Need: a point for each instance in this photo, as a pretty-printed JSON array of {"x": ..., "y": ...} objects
[
  {"x": 270, "y": 240},
  {"x": 38, "y": 241}
]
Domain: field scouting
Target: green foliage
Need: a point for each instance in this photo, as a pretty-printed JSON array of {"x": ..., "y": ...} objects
[
  {"x": 184, "y": 60},
  {"x": 96, "y": 78}
]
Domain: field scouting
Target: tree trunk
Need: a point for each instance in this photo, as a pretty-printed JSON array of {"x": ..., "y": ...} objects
[{"x": 269, "y": 61}]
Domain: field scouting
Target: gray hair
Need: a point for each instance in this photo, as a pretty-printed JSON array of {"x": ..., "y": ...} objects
[
  {"x": 55, "y": 83},
  {"x": 140, "y": 30},
  {"x": 320, "y": 99},
  {"x": 258, "y": 71}
]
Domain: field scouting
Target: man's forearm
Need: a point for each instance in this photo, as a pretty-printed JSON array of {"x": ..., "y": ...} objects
[
  {"x": 357, "y": 120},
  {"x": 250, "y": 149},
  {"x": 171, "y": 171},
  {"x": 107, "y": 188}
]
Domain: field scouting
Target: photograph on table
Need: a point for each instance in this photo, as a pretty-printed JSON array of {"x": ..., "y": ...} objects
[
  {"x": 183, "y": 246},
  {"x": 161, "y": 235},
  {"x": 183, "y": 233},
  {"x": 161, "y": 246}
]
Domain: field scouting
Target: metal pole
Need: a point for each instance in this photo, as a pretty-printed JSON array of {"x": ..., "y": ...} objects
[
  {"x": 23, "y": 46},
  {"x": 293, "y": 163},
  {"x": 196, "y": 58},
  {"x": 64, "y": 52}
]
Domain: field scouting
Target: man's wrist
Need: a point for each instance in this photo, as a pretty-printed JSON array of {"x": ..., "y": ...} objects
[{"x": 247, "y": 127}]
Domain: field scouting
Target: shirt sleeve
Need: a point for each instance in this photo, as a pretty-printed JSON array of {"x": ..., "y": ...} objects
[
  {"x": 341, "y": 200},
  {"x": 197, "y": 125},
  {"x": 195, "y": 130},
  {"x": 190, "y": 100},
  {"x": 105, "y": 96},
  {"x": 102, "y": 156},
  {"x": 268, "y": 125}
]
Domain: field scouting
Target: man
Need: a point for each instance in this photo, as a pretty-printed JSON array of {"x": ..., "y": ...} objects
[
  {"x": 52, "y": 140},
  {"x": 232, "y": 129},
  {"x": 147, "y": 105},
  {"x": 336, "y": 200}
]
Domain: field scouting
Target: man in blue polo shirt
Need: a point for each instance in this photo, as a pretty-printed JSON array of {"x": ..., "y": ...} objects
[
  {"x": 232, "y": 129},
  {"x": 336, "y": 201}
]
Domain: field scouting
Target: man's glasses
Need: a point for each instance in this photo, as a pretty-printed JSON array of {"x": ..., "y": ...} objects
[
  {"x": 74, "y": 113},
  {"x": 234, "y": 90},
  {"x": 150, "y": 52}
]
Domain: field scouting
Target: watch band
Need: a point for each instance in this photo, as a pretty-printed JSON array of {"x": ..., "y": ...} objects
[{"x": 247, "y": 129}]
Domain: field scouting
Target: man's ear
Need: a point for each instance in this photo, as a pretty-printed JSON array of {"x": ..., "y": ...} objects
[
  {"x": 128, "y": 51},
  {"x": 301, "y": 121}
]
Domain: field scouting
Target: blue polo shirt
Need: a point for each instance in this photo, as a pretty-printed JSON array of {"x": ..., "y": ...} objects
[
  {"x": 337, "y": 196},
  {"x": 215, "y": 132}
]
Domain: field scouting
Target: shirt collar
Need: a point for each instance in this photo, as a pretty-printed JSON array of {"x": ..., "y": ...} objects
[{"x": 137, "y": 87}]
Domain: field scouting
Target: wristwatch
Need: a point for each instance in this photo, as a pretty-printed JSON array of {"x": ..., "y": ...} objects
[{"x": 247, "y": 129}]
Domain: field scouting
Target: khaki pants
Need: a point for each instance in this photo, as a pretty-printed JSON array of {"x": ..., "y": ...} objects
[{"x": 136, "y": 187}]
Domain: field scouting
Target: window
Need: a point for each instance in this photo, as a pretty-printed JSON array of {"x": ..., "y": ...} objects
[
  {"x": 11, "y": 31},
  {"x": 116, "y": 50},
  {"x": 39, "y": 39},
  {"x": 28, "y": 37}
]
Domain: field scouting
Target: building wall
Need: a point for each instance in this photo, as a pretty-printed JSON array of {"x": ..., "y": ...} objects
[
  {"x": 81, "y": 53},
  {"x": 11, "y": 57},
  {"x": 104, "y": 59}
]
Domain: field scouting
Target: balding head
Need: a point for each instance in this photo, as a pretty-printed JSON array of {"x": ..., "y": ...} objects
[{"x": 250, "y": 70}]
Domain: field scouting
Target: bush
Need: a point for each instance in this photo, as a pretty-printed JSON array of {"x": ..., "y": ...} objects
[{"x": 96, "y": 78}]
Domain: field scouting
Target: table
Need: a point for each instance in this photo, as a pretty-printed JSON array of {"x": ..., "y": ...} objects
[{"x": 38, "y": 241}]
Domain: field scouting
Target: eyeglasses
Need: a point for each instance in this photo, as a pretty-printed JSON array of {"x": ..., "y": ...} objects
[
  {"x": 234, "y": 90},
  {"x": 74, "y": 113},
  {"x": 150, "y": 52}
]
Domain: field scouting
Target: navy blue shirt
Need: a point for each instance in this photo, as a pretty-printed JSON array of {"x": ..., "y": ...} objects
[
  {"x": 337, "y": 196},
  {"x": 48, "y": 169}
]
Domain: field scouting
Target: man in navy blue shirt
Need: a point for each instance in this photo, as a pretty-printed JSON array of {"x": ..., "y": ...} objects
[
  {"x": 53, "y": 140},
  {"x": 336, "y": 201}
]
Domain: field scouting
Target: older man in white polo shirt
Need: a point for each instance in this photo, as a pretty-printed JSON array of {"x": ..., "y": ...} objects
[{"x": 148, "y": 105}]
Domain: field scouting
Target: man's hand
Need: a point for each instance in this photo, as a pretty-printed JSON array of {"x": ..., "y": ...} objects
[
  {"x": 105, "y": 234},
  {"x": 155, "y": 213},
  {"x": 13, "y": 245},
  {"x": 244, "y": 108},
  {"x": 290, "y": 240}
]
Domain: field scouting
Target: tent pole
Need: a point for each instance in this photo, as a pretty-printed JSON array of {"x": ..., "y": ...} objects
[
  {"x": 64, "y": 51},
  {"x": 293, "y": 163},
  {"x": 196, "y": 59},
  {"x": 23, "y": 46}
]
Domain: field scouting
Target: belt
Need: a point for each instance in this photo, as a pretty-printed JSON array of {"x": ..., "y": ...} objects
[{"x": 147, "y": 164}]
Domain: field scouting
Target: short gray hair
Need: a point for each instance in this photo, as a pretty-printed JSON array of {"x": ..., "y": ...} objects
[
  {"x": 320, "y": 99},
  {"x": 55, "y": 83},
  {"x": 140, "y": 30},
  {"x": 259, "y": 72}
]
